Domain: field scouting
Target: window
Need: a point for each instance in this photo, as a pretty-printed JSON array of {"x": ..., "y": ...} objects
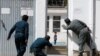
[
  {"x": 5, "y": 10},
  {"x": 47, "y": 26},
  {"x": 56, "y": 23},
  {"x": 27, "y": 11},
  {"x": 57, "y": 3}
]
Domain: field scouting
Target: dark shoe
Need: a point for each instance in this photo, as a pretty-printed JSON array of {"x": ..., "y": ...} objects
[
  {"x": 81, "y": 54},
  {"x": 93, "y": 52}
]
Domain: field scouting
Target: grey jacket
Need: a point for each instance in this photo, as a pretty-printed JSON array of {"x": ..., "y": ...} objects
[{"x": 76, "y": 26}]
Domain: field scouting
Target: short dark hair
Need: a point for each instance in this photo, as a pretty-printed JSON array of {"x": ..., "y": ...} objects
[
  {"x": 55, "y": 32},
  {"x": 67, "y": 20},
  {"x": 47, "y": 37},
  {"x": 25, "y": 17}
]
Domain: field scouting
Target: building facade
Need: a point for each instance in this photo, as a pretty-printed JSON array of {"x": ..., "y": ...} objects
[{"x": 47, "y": 17}]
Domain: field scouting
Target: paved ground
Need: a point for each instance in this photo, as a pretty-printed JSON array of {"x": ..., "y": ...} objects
[{"x": 56, "y": 55}]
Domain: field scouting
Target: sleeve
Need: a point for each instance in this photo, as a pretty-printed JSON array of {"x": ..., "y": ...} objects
[
  {"x": 69, "y": 27},
  {"x": 66, "y": 27},
  {"x": 11, "y": 31},
  {"x": 27, "y": 31},
  {"x": 83, "y": 23},
  {"x": 49, "y": 44}
]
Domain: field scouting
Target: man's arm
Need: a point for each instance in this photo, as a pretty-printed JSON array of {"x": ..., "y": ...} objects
[
  {"x": 49, "y": 44},
  {"x": 83, "y": 23},
  {"x": 66, "y": 27},
  {"x": 11, "y": 31},
  {"x": 3, "y": 24},
  {"x": 27, "y": 32}
]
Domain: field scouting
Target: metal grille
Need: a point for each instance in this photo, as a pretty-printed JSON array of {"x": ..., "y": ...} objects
[
  {"x": 56, "y": 23},
  {"x": 10, "y": 13},
  {"x": 57, "y": 3}
]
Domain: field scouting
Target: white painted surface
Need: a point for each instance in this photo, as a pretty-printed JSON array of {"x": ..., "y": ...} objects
[
  {"x": 40, "y": 17},
  {"x": 70, "y": 15}
]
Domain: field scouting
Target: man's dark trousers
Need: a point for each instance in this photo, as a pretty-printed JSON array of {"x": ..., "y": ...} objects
[
  {"x": 20, "y": 46},
  {"x": 38, "y": 52}
]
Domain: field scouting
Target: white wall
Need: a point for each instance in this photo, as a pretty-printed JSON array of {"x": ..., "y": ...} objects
[{"x": 40, "y": 16}]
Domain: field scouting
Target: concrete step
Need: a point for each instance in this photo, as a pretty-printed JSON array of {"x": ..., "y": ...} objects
[
  {"x": 61, "y": 50},
  {"x": 56, "y": 55},
  {"x": 86, "y": 53},
  {"x": 76, "y": 53}
]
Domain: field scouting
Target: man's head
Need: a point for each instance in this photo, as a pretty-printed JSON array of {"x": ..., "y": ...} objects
[
  {"x": 25, "y": 17},
  {"x": 67, "y": 21},
  {"x": 47, "y": 37},
  {"x": 55, "y": 32}
]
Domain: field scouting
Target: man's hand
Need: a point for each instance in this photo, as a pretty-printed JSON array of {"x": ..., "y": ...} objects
[
  {"x": 3, "y": 24},
  {"x": 8, "y": 38},
  {"x": 26, "y": 41},
  {"x": 64, "y": 27},
  {"x": 50, "y": 47},
  {"x": 89, "y": 30},
  {"x": 5, "y": 28}
]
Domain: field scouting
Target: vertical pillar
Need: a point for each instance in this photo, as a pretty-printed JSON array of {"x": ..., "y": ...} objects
[
  {"x": 0, "y": 27},
  {"x": 92, "y": 16},
  {"x": 97, "y": 24},
  {"x": 40, "y": 18},
  {"x": 51, "y": 23},
  {"x": 70, "y": 15}
]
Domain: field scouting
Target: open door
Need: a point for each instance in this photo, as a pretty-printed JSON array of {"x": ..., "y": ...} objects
[{"x": 56, "y": 13}]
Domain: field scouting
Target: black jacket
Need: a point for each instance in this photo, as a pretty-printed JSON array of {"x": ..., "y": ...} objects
[{"x": 21, "y": 29}]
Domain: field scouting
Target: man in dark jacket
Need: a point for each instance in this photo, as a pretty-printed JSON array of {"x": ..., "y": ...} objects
[
  {"x": 83, "y": 33},
  {"x": 39, "y": 44},
  {"x": 21, "y": 29}
]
